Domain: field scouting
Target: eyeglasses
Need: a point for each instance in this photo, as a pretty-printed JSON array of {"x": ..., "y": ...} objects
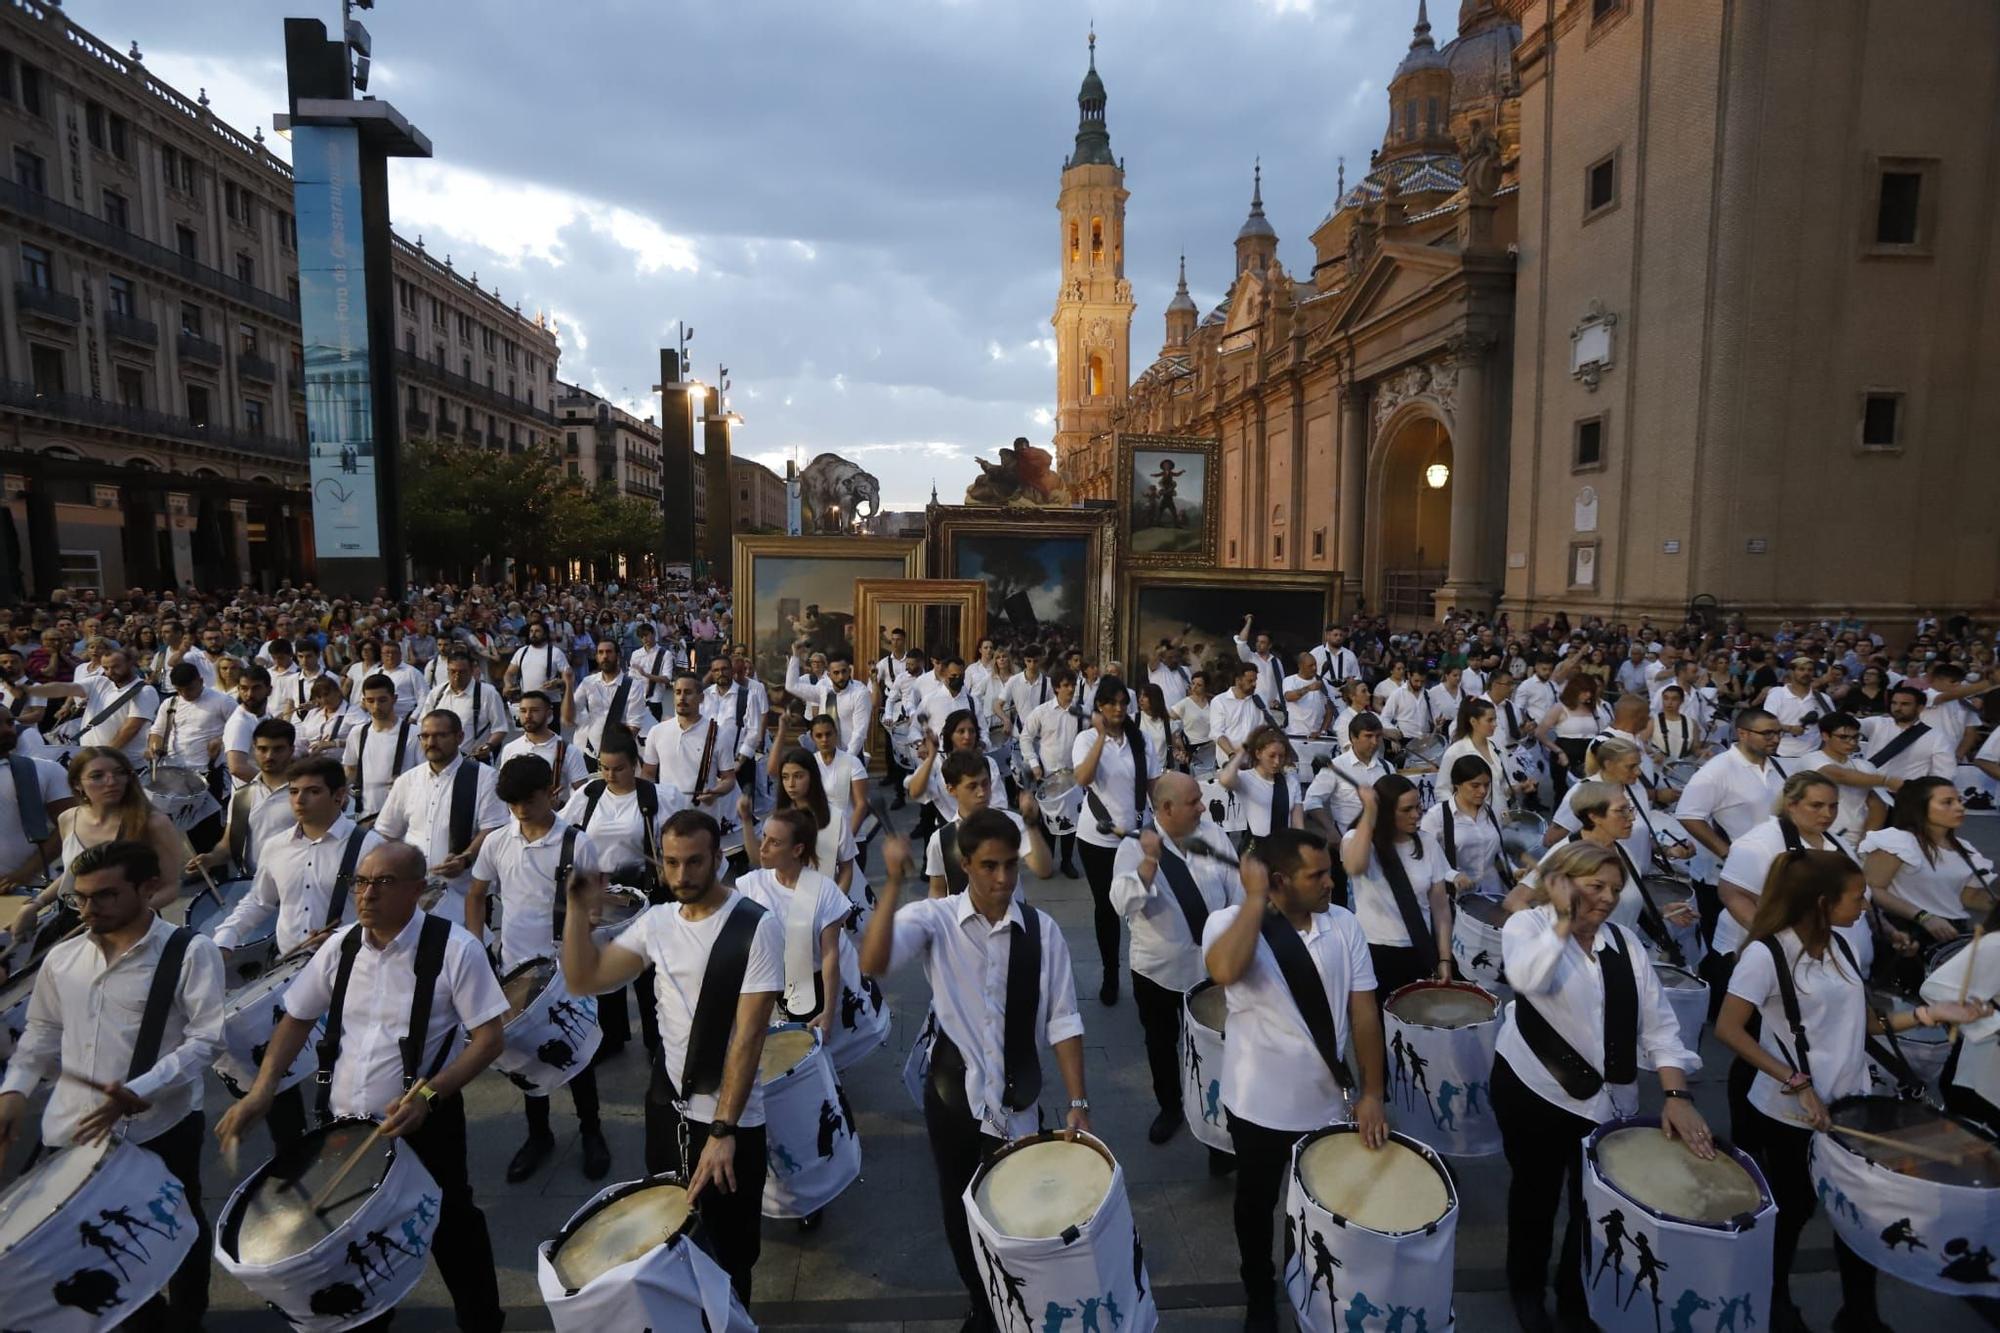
[
  {"x": 365, "y": 883},
  {"x": 1844, "y": 735},
  {"x": 76, "y": 902}
]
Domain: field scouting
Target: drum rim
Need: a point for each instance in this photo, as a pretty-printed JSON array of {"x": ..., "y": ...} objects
[
  {"x": 1740, "y": 1223},
  {"x": 111, "y": 1143},
  {"x": 516, "y": 971},
  {"x": 1866, "y": 1154},
  {"x": 1479, "y": 897},
  {"x": 1661, "y": 965},
  {"x": 229, "y": 1222},
  {"x": 234, "y": 1000},
  {"x": 1081, "y": 1137},
  {"x": 610, "y": 1195},
  {"x": 795, "y": 1025},
  {"x": 1455, "y": 983},
  {"x": 1418, "y": 1146},
  {"x": 1201, "y": 987}
]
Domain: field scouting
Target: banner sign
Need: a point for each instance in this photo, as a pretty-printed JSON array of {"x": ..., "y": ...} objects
[{"x": 333, "y": 318}]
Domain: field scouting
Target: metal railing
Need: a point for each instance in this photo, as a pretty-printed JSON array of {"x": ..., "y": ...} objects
[
  {"x": 39, "y": 300},
  {"x": 131, "y": 329},
  {"x": 80, "y": 410},
  {"x": 1411, "y": 592},
  {"x": 409, "y": 364},
  {"x": 252, "y": 366},
  {"x": 199, "y": 350},
  {"x": 416, "y": 422}
]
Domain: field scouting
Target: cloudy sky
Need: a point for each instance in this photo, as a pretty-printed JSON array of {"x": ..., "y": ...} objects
[{"x": 852, "y": 203}]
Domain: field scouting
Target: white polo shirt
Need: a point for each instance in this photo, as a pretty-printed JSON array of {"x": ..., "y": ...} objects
[
  {"x": 1115, "y": 785},
  {"x": 523, "y": 873},
  {"x": 1749, "y": 865},
  {"x": 101, "y": 694},
  {"x": 1732, "y": 794},
  {"x": 1375, "y": 902},
  {"x": 1833, "y": 1009},
  {"x": 1339, "y": 799},
  {"x": 1163, "y": 951},
  {"x": 1929, "y": 755},
  {"x": 187, "y": 727},
  {"x": 1791, "y": 710},
  {"x": 564, "y": 760}
]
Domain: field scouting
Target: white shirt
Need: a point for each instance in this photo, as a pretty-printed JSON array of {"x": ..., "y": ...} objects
[
  {"x": 1405, "y": 714},
  {"x": 1172, "y": 680},
  {"x": 852, "y": 708},
  {"x": 1936, "y": 887},
  {"x": 1732, "y": 794},
  {"x": 541, "y": 668},
  {"x": 1253, "y": 797},
  {"x": 1948, "y": 718},
  {"x": 1852, "y": 821},
  {"x": 1163, "y": 950},
  {"x": 1375, "y": 902},
  {"x": 295, "y": 879},
  {"x": 1049, "y": 735},
  {"x": 316, "y": 725},
  {"x": 269, "y": 812},
  {"x": 84, "y": 1017},
  {"x": 1536, "y": 696},
  {"x": 941, "y": 703},
  {"x": 679, "y": 950},
  {"x": 1235, "y": 717},
  {"x": 52, "y": 782},
  {"x": 564, "y": 760},
  {"x": 187, "y": 727},
  {"x": 477, "y": 700},
  {"x": 1272, "y": 1073},
  {"x": 1833, "y": 1009},
  {"x": 675, "y": 751},
  {"x": 1337, "y": 664},
  {"x": 1476, "y": 840},
  {"x": 659, "y": 660},
  {"x": 381, "y": 765},
  {"x": 1114, "y": 784},
  {"x": 1929, "y": 755},
  {"x": 964, "y": 959},
  {"x": 594, "y": 697},
  {"x": 618, "y": 826},
  {"x": 291, "y": 693},
  {"x": 418, "y": 812},
  {"x": 838, "y": 777},
  {"x": 934, "y": 847},
  {"x": 203, "y": 663},
  {"x": 827, "y": 906},
  {"x": 523, "y": 871},
  {"x": 410, "y": 686},
  {"x": 1306, "y": 714},
  {"x": 722, "y": 706},
  {"x": 1339, "y": 799},
  {"x": 1790, "y": 709},
  {"x": 101, "y": 694},
  {"x": 1193, "y": 717},
  {"x": 239, "y": 737},
  {"x": 1749, "y": 865},
  {"x": 1270, "y": 675},
  {"x": 938, "y": 795},
  {"x": 1567, "y": 989},
  {"x": 1441, "y": 706},
  {"x": 1500, "y": 793},
  {"x": 368, "y": 1076}
]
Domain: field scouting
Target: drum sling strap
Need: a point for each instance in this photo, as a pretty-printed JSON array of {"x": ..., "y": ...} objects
[
  {"x": 350, "y": 856},
  {"x": 159, "y": 1000},
  {"x": 1020, "y": 1050},
  {"x": 617, "y": 709},
  {"x": 715, "y": 1008},
  {"x": 1281, "y": 803},
  {"x": 1303, "y": 980},
  {"x": 1422, "y": 940},
  {"x": 464, "y": 801},
  {"x": 649, "y": 813},
  {"x": 1650, "y": 919},
  {"x": 1575, "y": 1074},
  {"x": 1907, "y": 737},
  {"x": 28, "y": 800},
  {"x": 1788, "y": 996},
  {"x": 1135, "y": 741},
  {"x": 115, "y": 704},
  {"x": 565, "y": 863},
  {"x": 1180, "y": 881},
  {"x": 429, "y": 962},
  {"x": 954, "y": 864},
  {"x": 395, "y": 760},
  {"x": 802, "y": 957},
  {"x": 1448, "y": 838}
]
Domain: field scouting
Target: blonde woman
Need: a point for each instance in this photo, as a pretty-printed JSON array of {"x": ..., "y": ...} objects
[{"x": 111, "y": 807}]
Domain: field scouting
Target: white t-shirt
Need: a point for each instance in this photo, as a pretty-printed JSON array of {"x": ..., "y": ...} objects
[
  {"x": 617, "y": 825},
  {"x": 1936, "y": 887},
  {"x": 188, "y": 726},
  {"x": 1749, "y": 865},
  {"x": 102, "y": 694},
  {"x": 1375, "y": 902},
  {"x": 523, "y": 875},
  {"x": 1833, "y": 1009},
  {"x": 53, "y": 784}
]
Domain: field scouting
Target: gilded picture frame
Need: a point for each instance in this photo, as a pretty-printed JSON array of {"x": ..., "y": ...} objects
[
  {"x": 1169, "y": 498},
  {"x": 1293, "y": 607},
  {"x": 787, "y": 587},
  {"x": 1041, "y": 567},
  {"x": 966, "y": 596}
]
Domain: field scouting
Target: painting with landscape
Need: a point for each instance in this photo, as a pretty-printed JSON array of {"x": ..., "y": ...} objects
[
  {"x": 1167, "y": 501},
  {"x": 1205, "y": 618},
  {"x": 809, "y": 597},
  {"x": 1034, "y": 584}
]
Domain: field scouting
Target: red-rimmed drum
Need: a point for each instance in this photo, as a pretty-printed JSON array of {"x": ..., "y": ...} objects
[
  {"x": 1475, "y": 940},
  {"x": 250, "y": 1013},
  {"x": 630, "y": 1259},
  {"x": 1929, "y": 1214},
  {"x": 1671, "y": 1239},
  {"x": 1370, "y": 1234},
  {"x": 88, "y": 1235},
  {"x": 1053, "y": 1236},
  {"x": 1204, "y": 1013},
  {"x": 1687, "y": 996},
  {"x": 1440, "y": 1038},
  {"x": 809, "y": 1134},
  {"x": 340, "y": 1265},
  {"x": 550, "y": 1035}
]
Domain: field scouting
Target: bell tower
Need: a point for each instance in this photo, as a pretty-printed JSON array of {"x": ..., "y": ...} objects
[{"x": 1093, "y": 316}]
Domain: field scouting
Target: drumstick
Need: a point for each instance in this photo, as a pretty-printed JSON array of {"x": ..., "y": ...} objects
[
  {"x": 87, "y": 1082},
  {"x": 353, "y": 1160},
  {"x": 1882, "y": 1140}
]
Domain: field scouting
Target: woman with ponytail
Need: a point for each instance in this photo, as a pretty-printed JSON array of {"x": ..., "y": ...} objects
[{"x": 1115, "y": 767}]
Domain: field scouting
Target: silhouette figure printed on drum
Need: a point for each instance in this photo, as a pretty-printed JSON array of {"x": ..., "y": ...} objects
[
  {"x": 1359, "y": 1311},
  {"x": 413, "y": 1233},
  {"x": 426, "y": 1207},
  {"x": 1400, "y": 1050},
  {"x": 1472, "y": 1094},
  {"x": 164, "y": 1210},
  {"x": 556, "y": 1053},
  {"x": 1967, "y": 1264},
  {"x": 1648, "y": 1276},
  {"x": 1835, "y": 1201},
  {"x": 1138, "y": 1264},
  {"x": 1479, "y": 960},
  {"x": 1900, "y": 1232},
  {"x": 1056, "y": 1316},
  {"x": 850, "y": 1008},
  {"x": 573, "y": 1018},
  {"x": 96, "y": 1238},
  {"x": 1397, "y": 1315},
  {"x": 519, "y": 1080},
  {"x": 830, "y": 1125},
  {"x": 1194, "y": 1060},
  {"x": 1419, "y": 1078},
  {"x": 1685, "y": 1309},
  {"x": 91, "y": 1290},
  {"x": 383, "y": 1245},
  {"x": 1211, "y": 1106},
  {"x": 994, "y": 1298},
  {"x": 1725, "y": 1318},
  {"x": 1011, "y": 1298},
  {"x": 1087, "y": 1313},
  {"x": 1324, "y": 1261},
  {"x": 782, "y": 1158},
  {"x": 1111, "y": 1310},
  {"x": 1613, "y": 1223},
  {"x": 846, "y": 1108},
  {"x": 868, "y": 986},
  {"x": 363, "y": 1266},
  {"x": 122, "y": 1218},
  {"x": 340, "y": 1298},
  {"x": 1447, "y": 1094}
]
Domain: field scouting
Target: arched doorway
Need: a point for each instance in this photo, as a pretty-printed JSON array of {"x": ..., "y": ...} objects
[{"x": 1412, "y": 507}]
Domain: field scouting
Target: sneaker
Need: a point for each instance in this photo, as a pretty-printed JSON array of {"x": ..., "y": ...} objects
[{"x": 530, "y": 1158}]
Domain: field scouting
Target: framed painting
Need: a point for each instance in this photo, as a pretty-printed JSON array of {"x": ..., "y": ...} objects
[
  {"x": 1202, "y": 611},
  {"x": 1169, "y": 489},
  {"x": 791, "y": 588},
  {"x": 942, "y": 615},
  {"x": 1048, "y": 572}
]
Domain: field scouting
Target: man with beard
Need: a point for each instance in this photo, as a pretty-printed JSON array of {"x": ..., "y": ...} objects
[
  {"x": 539, "y": 664},
  {"x": 477, "y": 704},
  {"x": 117, "y": 704},
  {"x": 445, "y": 807},
  {"x": 607, "y": 696},
  {"x": 685, "y": 752}
]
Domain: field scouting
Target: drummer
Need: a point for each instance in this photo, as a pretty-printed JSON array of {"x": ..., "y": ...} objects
[
  {"x": 542, "y": 740},
  {"x": 985, "y": 1080},
  {"x": 1806, "y": 910},
  {"x": 445, "y": 808},
  {"x": 92, "y": 999},
  {"x": 1166, "y": 883},
  {"x": 257, "y": 809},
  {"x": 1266, "y": 787},
  {"x": 481, "y": 713},
  {"x": 379, "y": 750},
  {"x": 370, "y": 982},
  {"x": 1333, "y": 801},
  {"x": 1804, "y": 818},
  {"x": 33, "y": 795},
  {"x": 1301, "y": 994},
  {"x": 969, "y": 781},
  {"x": 1476, "y": 733},
  {"x": 188, "y": 730},
  {"x": 1617, "y": 763},
  {"x": 705, "y": 1108},
  {"x": 1308, "y": 706},
  {"x": 1047, "y": 738},
  {"x": 1235, "y": 713},
  {"x": 1116, "y": 768},
  {"x": 1731, "y": 792},
  {"x": 1588, "y": 1015},
  {"x": 1865, "y": 791},
  {"x": 1467, "y": 830},
  {"x": 322, "y": 727},
  {"x": 1924, "y": 876},
  {"x": 691, "y": 753},
  {"x": 1606, "y": 815},
  {"x": 842, "y": 777},
  {"x": 1400, "y": 886}
]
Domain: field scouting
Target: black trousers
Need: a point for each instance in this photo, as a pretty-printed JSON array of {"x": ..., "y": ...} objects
[
  {"x": 958, "y": 1146},
  {"x": 582, "y": 1095},
  {"x": 1097, "y": 864},
  {"x": 1395, "y": 967},
  {"x": 1262, "y": 1158},
  {"x": 734, "y": 1221},
  {"x": 1781, "y": 1151},
  {"x": 186, "y": 1303},
  {"x": 1160, "y": 1019},
  {"x": 287, "y": 1117},
  {"x": 614, "y": 1013},
  {"x": 1543, "y": 1147},
  {"x": 462, "y": 1246}
]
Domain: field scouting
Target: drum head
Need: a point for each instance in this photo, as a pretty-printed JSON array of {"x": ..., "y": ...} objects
[
  {"x": 277, "y": 1219},
  {"x": 267, "y": 983},
  {"x": 1489, "y": 911},
  {"x": 1669, "y": 889},
  {"x": 1391, "y": 1189},
  {"x": 1041, "y": 1188},
  {"x": 42, "y": 1190},
  {"x": 208, "y": 910},
  {"x": 623, "y": 1229},
  {"x": 1663, "y": 1177},
  {"x": 621, "y": 905},
  {"x": 1438, "y": 1005},
  {"x": 783, "y": 1049},
  {"x": 524, "y": 983},
  {"x": 1975, "y": 1157},
  {"x": 174, "y": 781},
  {"x": 1208, "y": 1006}
]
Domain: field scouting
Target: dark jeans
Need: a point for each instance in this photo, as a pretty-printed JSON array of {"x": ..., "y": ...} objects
[
  {"x": 734, "y": 1221},
  {"x": 958, "y": 1146},
  {"x": 186, "y": 1302},
  {"x": 1097, "y": 863},
  {"x": 1543, "y": 1147},
  {"x": 582, "y": 1095},
  {"x": 462, "y": 1247},
  {"x": 1160, "y": 1019},
  {"x": 1262, "y": 1158},
  {"x": 1781, "y": 1151}
]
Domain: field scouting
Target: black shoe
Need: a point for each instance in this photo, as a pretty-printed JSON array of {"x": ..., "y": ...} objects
[
  {"x": 1220, "y": 1163},
  {"x": 902, "y": 801},
  {"x": 1857, "y": 1321},
  {"x": 1785, "y": 1318},
  {"x": 1531, "y": 1314},
  {"x": 1068, "y": 870},
  {"x": 610, "y": 1047},
  {"x": 596, "y": 1154},
  {"x": 532, "y": 1154},
  {"x": 811, "y": 1221},
  {"x": 1260, "y": 1320},
  {"x": 1165, "y": 1125},
  {"x": 1107, "y": 994}
]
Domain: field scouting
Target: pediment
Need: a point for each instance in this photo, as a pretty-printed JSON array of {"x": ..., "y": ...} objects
[{"x": 1396, "y": 275}]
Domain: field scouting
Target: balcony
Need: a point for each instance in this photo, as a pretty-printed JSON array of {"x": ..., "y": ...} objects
[
  {"x": 47, "y": 303},
  {"x": 460, "y": 386},
  {"x": 251, "y": 366},
  {"x": 199, "y": 350},
  {"x": 494, "y": 440},
  {"x": 15, "y": 198},
  {"x": 417, "y": 423},
  {"x": 79, "y": 410},
  {"x": 131, "y": 329},
  {"x": 447, "y": 429}
]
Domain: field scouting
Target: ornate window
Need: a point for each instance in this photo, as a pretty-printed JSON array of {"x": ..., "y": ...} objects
[{"x": 1096, "y": 239}]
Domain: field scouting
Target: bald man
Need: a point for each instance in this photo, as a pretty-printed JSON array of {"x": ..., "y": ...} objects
[{"x": 1166, "y": 882}]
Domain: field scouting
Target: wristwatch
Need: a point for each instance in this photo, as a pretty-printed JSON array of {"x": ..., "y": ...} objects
[
  {"x": 1678, "y": 1094},
  {"x": 721, "y": 1129},
  {"x": 428, "y": 1093}
]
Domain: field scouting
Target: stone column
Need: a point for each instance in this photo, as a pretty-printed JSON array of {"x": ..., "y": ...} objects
[
  {"x": 1465, "y": 585},
  {"x": 1353, "y": 481}
]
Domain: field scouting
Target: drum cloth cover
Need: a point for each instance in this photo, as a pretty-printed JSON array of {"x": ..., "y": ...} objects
[
  {"x": 810, "y": 1141},
  {"x": 634, "y": 1248},
  {"x": 1205, "y": 1014},
  {"x": 1978, "y": 1063},
  {"x": 352, "y": 1260},
  {"x": 1370, "y": 1234},
  {"x": 1475, "y": 940},
  {"x": 88, "y": 1235},
  {"x": 1671, "y": 1241},
  {"x": 1086, "y": 1261},
  {"x": 250, "y": 1014},
  {"x": 1687, "y": 996},
  {"x": 1440, "y": 1040},
  {"x": 549, "y": 1035},
  {"x": 1926, "y": 1049},
  {"x": 1931, "y": 1223}
]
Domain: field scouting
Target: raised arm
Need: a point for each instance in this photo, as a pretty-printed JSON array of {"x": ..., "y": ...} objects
[{"x": 1229, "y": 955}]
